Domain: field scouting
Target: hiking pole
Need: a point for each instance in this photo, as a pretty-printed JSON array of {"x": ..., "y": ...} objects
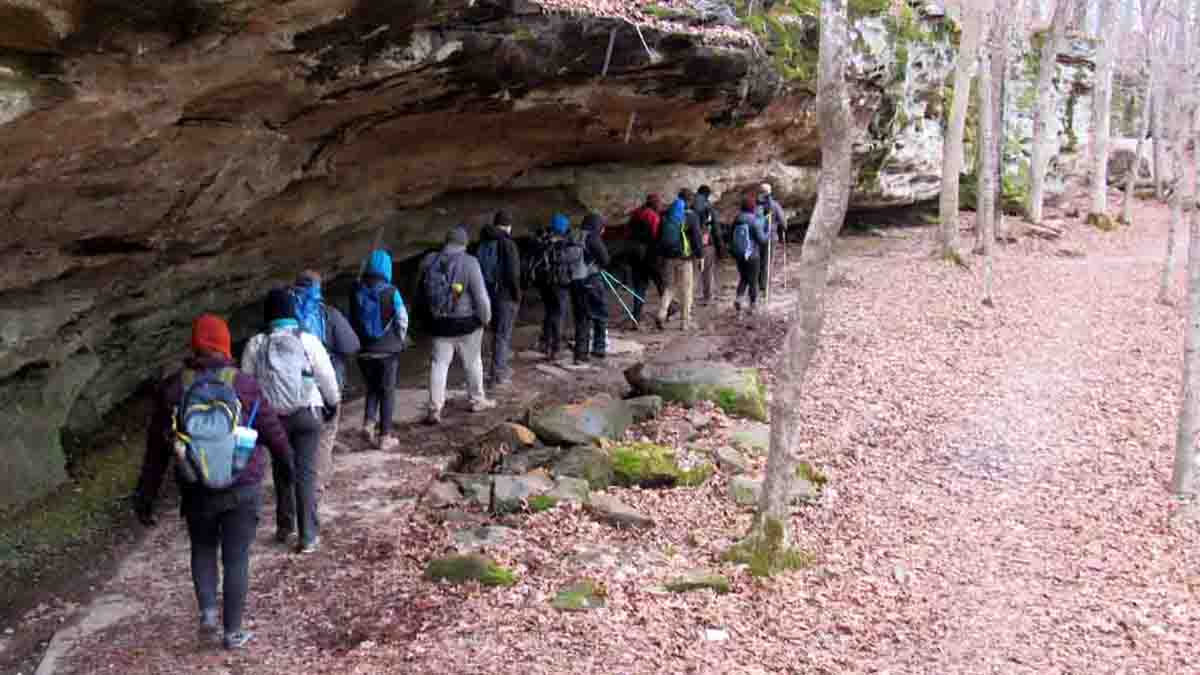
[
  {"x": 770, "y": 241},
  {"x": 611, "y": 279},
  {"x": 604, "y": 276},
  {"x": 783, "y": 236}
]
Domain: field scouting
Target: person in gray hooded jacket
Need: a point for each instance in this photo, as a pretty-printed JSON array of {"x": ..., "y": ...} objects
[{"x": 458, "y": 306}]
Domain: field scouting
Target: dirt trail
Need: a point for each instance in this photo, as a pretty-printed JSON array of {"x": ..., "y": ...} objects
[{"x": 998, "y": 504}]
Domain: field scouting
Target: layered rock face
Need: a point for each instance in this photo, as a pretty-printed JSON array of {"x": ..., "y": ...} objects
[{"x": 158, "y": 160}]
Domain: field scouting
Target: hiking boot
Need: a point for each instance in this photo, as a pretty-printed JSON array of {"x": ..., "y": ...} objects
[
  {"x": 660, "y": 324},
  {"x": 482, "y": 405},
  {"x": 581, "y": 359},
  {"x": 434, "y": 418},
  {"x": 371, "y": 434},
  {"x": 210, "y": 626},
  {"x": 388, "y": 442},
  {"x": 599, "y": 355},
  {"x": 311, "y": 547},
  {"x": 237, "y": 639}
]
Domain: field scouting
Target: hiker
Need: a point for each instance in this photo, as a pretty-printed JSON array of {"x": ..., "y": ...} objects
[
  {"x": 644, "y": 225},
  {"x": 457, "y": 302},
  {"x": 380, "y": 319},
  {"x": 221, "y": 495},
  {"x": 327, "y": 323},
  {"x": 713, "y": 246},
  {"x": 500, "y": 263},
  {"x": 679, "y": 244},
  {"x": 552, "y": 277},
  {"x": 589, "y": 302},
  {"x": 745, "y": 243},
  {"x": 774, "y": 221},
  {"x": 297, "y": 377}
]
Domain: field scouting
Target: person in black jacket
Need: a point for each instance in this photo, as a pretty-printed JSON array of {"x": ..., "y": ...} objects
[
  {"x": 589, "y": 302},
  {"x": 710, "y": 235},
  {"x": 504, "y": 291}
]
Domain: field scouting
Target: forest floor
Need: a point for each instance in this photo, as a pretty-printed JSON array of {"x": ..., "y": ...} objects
[{"x": 997, "y": 502}]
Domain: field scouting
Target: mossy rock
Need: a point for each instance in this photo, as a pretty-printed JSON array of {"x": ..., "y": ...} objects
[
  {"x": 589, "y": 422},
  {"x": 580, "y": 597},
  {"x": 1102, "y": 222},
  {"x": 591, "y": 464},
  {"x": 459, "y": 569},
  {"x": 738, "y": 391},
  {"x": 539, "y": 503},
  {"x": 699, "y": 580},
  {"x": 765, "y": 554},
  {"x": 651, "y": 466}
]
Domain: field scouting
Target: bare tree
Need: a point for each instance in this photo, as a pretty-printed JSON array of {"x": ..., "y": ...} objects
[
  {"x": 1045, "y": 125},
  {"x": 1149, "y": 15},
  {"x": 1102, "y": 112},
  {"x": 1175, "y": 113},
  {"x": 771, "y": 532},
  {"x": 952, "y": 147},
  {"x": 985, "y": 212}
]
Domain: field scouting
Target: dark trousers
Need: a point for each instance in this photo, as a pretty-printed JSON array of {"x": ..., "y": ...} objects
[
  {"x": 764, "y": 266},
  {"x": 589, "y": 304},
  {"x": 554, "y": 299},
  {"x": 379, "y": 375},
  {"x": 504, "y": 315},
  {"x": 222, "y": 521},
  {"x": 645, "y": 270},
  {"x": 296, "y": 499},
  {"x": 748, "y": 272},
  {"x": 709, "y": 282}
]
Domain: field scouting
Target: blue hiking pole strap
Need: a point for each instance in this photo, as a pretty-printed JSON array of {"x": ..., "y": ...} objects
[{"x": 253, "y": 413}]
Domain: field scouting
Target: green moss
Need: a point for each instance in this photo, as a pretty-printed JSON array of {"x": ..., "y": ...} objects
[
  {"x": 716, "y": 582},
  {"x": 727, "y": 400},
  {"x": 696, "y": 476},
  {"x": 580, "y": 596},
  {"x": 765, "y": 554},
  {"x": 811, "y": 474},
  {"x": 458, "y": 569},
  {"x": 1014, "y": 193},
  {"x": 1102, "y": 222},
  {"x": 539, "y": 503},
  {"x": 649, "y": 465},
  {"x": 858, "y": 9}
]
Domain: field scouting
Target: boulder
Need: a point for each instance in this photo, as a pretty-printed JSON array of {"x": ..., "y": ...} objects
[
  {"x": 481, "y": 537},
  {"x": 443, "y": 493},
  {"x": 752, "y": 437},
  {"x": 695, "y": 580},
  {"x": 484, "y": 453},
  {"x": 731, "y": 461},
  {"x": 651, "y": 466},
  {"x": 615, "y": 512},
  {"x": 590, "y": 422},
  {"x": 591, "y": 464},
  {"x": 746, "y": 491},
  {"x": 525, "y": 461},
  {"x": 458, "y": 569},
  {"x": 580, "y": 596},
  {"x": 568, "y": 489},
  {"x": 509, "y": 493},
  {"x": 645, "y": 407},
  {"x": 735, "y": 390},
  {"x": 476, "y": 488}
]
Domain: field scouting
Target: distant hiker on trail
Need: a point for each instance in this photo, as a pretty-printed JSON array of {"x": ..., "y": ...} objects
[
  {"x": 456, "y": 300},
  {"x": 500, "y": 263},
  {"x": 380, "y": 319},
  {"x": 745, "y": 244},
  {"x": 297, "y": 377},
  {"x": 214, "y": 422},
  {"x": 679, "y": 243},
  {"x": 644, "y": 225},
  {"x": 774, "y": 221},
  {"x": 551, "y": 274},
  {"x": 713, "y": 247},
  {"x": 589, "y": 299},
  {"x": 330, "y": 325}
]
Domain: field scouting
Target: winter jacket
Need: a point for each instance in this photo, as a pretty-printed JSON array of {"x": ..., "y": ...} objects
[
  {"x": 595, "y": 252},
  {"x": 643, "y": 225},
  {"x": 326, "y": 393},
  {"x": 472, "y": 309},
  {"x": 160, "y": 438},
  {"x": 509, "y": 284},
  {"x": 379, "y": 272},
  {"x": 709, "y": 226},
  {"x": 758, "y": 231},
  {"x": 768, "y": 207}
]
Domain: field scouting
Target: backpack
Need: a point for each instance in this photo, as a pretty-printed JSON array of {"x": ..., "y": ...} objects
[
  {"x": 639, "y": 225},
  {"x": 672, "y": 241},
  {"x": 284, "y": 372},
  {"x": 741, "y": 243},
  {"x": 564, "y": 257},
  {"x": 308, "y": 310},
  {"x": 373, "y": 309},
  {"x": 489, "y": 264},
  {"x": 438, "y": 287},
  {"x": 204, "y": 424},
  {"x": 573, "y": 263}
]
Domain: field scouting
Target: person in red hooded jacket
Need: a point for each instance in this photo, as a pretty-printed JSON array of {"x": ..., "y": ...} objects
[{"x": 225, "y": 520}]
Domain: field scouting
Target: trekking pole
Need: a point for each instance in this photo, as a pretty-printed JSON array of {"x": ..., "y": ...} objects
[
  {"x": 611, "y": 279},
  {"x": 604, "y": 276},
  {"x": 767, "y": 292},
  {"x": 783, "y": 235}
]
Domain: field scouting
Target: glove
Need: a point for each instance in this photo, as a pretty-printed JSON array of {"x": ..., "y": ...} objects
[{"x": 329, "y": 412}]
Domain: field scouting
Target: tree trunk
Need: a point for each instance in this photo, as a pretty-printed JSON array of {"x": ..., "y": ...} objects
[
  {"x": 1183, "y": 477},
  {"x": 1168, "y": 270},
  {"x": 1102, "y": 107},
  {"x": 985, "y": 214},
  {"x": 1045, "y": 125},
  {"x": 772, "y": 522},
  {"x": 1142, "y": 130},
  {"x": 952, "y": 148}
]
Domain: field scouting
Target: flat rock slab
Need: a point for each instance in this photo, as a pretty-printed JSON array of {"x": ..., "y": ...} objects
[
  {"x": 552, "y": 371},
  {"x": 752, "y": 437},
  {"x": 737, "y": 391},
  {"x": 746, "y": 490},
  {"x": 592, "y": 421},
  {"x": 621, "y": 347},
  {"x": 731, "y": 461},
  {"x": 103, "y": 612},
  {"x": 475, "y": 538},
  {"x": 509, "y": 493},
  {"x": 615, "y": 512}
]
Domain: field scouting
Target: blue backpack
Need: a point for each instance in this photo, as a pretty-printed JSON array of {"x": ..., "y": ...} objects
[
  {"x": 671, "y": 239},
  {"x": 489, "y": 264},
  {"x": 374, "y": 309},
  {"x": 308, "y": 309},
  {"x": 742, "y": 244},
  {"x": 204, "y": 423}
]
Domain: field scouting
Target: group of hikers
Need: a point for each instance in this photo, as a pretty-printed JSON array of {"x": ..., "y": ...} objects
[{"x": 218, "y": 423}]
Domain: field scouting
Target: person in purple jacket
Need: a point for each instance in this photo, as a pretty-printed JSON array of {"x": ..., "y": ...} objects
[{"x": 217, "y": 520}]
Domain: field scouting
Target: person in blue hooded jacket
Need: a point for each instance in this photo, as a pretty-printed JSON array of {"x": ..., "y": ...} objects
[{"x": 380, "y": 319}]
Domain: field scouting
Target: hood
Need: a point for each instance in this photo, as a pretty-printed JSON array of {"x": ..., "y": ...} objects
[
  {"x": 380, "y": 265},
  {"x": 677, "y": 209},
  {"x": 559, "y": 224}
]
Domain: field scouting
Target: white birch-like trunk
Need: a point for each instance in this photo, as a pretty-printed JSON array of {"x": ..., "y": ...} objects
[
  {"x": 1183, "y": 476},
  {"x": 1102, "y": 107},
  {"x": 985, "y": 213},
  {"x": 1045, "y": 126},
  {"x": 772, "y": 521},
  {"x": 952, "y": 147},
  {"x": 1143, "y": 129}
]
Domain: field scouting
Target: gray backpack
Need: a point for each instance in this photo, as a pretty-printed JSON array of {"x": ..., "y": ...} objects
[{"x": 284, "y": 372}]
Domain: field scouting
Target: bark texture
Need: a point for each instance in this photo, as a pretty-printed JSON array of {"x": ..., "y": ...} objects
[
  {"x": 1046, "y": 121},
  {"x": 985, "y": 214},
  {"x": 1102, "y": 108},
  {"x": 952, "y": 148}
]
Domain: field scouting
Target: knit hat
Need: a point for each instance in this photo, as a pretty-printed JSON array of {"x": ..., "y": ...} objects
[
  {"x": 210, "y": 333},
  {"x": 457, "y": 235},
  {"x": 278, "y": 306},
  {"x": 559, "y": 224}
]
